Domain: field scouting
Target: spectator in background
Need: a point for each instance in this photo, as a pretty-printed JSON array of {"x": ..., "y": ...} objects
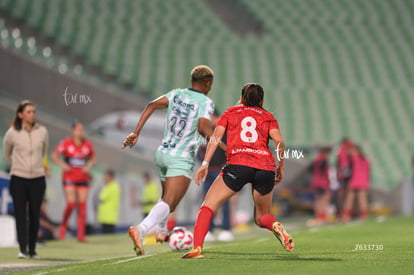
[
  {"x": 343, "y": 169},
  {"x": 358, "y": 185},
  {"x": 321, "y": 185},
  {"x": 109, "y": 203},
  {"x": 78, "y": 158},
  {"x": 217, "y": 163},
  {"x": 150, "y": 194},
  {"x": 25, "y": 147}
]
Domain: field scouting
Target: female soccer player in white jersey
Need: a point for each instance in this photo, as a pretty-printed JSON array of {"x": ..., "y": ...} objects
[
  {"x": 188, "y": 113},
  {"x": 249, "y": 160}
]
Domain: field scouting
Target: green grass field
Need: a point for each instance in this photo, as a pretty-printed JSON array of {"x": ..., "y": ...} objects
[{"x": 327, "y": 250}]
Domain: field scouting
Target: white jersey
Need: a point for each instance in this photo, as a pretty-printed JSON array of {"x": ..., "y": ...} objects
[{"x": 181, "y": 137}]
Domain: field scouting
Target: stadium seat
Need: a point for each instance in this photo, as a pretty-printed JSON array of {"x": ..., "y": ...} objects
[{"x": 330, "y": 68}]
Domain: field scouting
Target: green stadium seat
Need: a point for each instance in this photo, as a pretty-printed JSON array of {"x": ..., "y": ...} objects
[{"x": 330, "y": 68}]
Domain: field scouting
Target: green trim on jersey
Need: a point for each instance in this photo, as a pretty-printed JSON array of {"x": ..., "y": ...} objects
[{"x": 181, "y": 137}]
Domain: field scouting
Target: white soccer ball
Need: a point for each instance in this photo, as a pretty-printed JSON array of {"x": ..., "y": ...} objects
[{"x": 180, "y": 239}]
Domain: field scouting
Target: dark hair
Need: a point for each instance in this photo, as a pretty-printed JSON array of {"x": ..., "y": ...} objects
[
  {"x": 75, "y": 123},
  {"x": 110, "y": 172},
  {"x": 252, "y": 95},
  {"x": 17, "y": 122}
]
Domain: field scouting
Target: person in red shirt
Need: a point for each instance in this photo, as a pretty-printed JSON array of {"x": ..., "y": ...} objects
[
  {"x": 249, "y": 160},
  {"x": 343, "y": 170},
  {"x": 321, "y": 185},
  {"x": 78, "y": 158},
  {"x": 358, "y": 185}
]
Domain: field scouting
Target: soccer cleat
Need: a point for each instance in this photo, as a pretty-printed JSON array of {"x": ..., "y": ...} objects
[
  {"x": 284, "y": 238},
  {"x": 133, "y": 233},
  {"x": 195, "y": 253}
]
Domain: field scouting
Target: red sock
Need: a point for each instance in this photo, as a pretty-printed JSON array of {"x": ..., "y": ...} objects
[
  {"x": 321, "y": 216},
  {"x": 81, "y": 220},
  {"x": 202, "y": 224},
  {"x": 68, "y": 210},
  {"x": 267, "y": 221},
  {"x": 346, "y": 213},
  {"x": 171, "y": 223},
  {"x": 364, "y": 214}
]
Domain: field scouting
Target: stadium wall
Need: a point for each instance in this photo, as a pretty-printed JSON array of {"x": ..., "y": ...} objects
[{"x": 65, "y": 94}]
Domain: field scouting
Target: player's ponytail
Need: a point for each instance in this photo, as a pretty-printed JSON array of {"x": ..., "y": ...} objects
[{"x": 252, "y": 95}]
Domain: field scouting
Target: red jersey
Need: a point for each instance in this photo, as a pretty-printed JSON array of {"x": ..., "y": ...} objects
[
  {"x": 76, "y": 157},
  {"x": 248, "y": 136},
  {"x": 320, "y": 167}
]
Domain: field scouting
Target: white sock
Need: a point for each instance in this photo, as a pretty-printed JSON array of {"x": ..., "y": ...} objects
[
  {"x": 158, "y": 213},
  {"x": 162, "y": 226}
]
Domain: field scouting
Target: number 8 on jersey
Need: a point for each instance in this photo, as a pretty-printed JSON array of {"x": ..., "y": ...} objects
[{"x": 248, "y": 125}]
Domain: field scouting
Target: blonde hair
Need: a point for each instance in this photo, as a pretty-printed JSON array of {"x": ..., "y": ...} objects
[{"x": 201, "y": 72}]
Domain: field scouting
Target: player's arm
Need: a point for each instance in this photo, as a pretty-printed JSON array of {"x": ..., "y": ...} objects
[
  {"x": 205, "y": 128},
  {"x": 91, "y": 162},
  {"x": 214, "y": 142},
  {"x": 157, "y": 104},
  {"x": 7, "y": 147},
  {"x": 277, "y": 138},
  {"x": 55, "y": 158}
]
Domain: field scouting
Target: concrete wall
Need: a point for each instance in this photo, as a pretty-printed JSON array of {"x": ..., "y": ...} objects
[{"x": 25, "y": 78}]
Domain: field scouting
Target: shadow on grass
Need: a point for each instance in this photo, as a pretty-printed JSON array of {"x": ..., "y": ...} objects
[{"x": 249, "y": 256}]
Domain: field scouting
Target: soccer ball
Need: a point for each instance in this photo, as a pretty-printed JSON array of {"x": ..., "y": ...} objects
[{"x": 180, "y": 239}]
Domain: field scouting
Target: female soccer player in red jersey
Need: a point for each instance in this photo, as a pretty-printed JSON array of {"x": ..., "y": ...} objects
[
  {"x": 358, "y": 184},
  {"x": 249, "y": 160},
  {"x": 78, "y": 158}
]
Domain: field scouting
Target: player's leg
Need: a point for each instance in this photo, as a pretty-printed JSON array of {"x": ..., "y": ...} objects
[
  {"x": 211, "y": 177},
  {"x": 174, "y": 190},
  {"x": 326, "y": 202},
  {"x": 317, "y": 205},
  {"x": 19, "y": 193},
  {"x": 134, "y": 232},
  {"x": 70, "y": 196},
  {"x": 262, "y": 188},
  {"x": 363, "y": 204},
  {"x": 171, "y": 221},
  {"x": 323, "y": 198},
  {"x": 82, "y": 195},
  {"x": 162, "y": 226},
  {"x": 36, "y": 195},
  {"x": 349, "y": 200},
  {"x": 215, "y": 197}
]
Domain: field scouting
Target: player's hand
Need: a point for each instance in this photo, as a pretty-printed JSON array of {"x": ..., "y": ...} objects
[
  {"x": 280, "y": 173},
  {"x": 130, "y": 140},
  {"x": 85, "y": 169},
  {"x": 201, "y": 174},
  {"x": 66, "y": 168},
  {"x": 47, "y": 173}
]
